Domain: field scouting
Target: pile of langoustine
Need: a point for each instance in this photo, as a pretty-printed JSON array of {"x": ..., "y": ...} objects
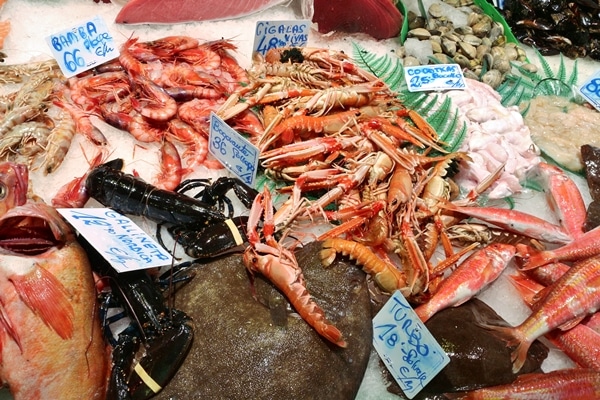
[{"x": 349, "y": 152}]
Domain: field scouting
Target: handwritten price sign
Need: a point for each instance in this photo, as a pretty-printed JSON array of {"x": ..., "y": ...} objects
[
  {"x": 236, "y": 153},
  {"x": 82, "y": 47},
  {"x": 434, "y": 77},
  {"x": 591, "y": 90},
  {"x": 275, "y": 34},
  {"x": 120, "y": 241},
  {"x": 406, "y": 347}
]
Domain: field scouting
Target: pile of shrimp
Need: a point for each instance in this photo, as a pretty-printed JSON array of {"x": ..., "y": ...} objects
[
  {"x": 163, "y": 92},
  {"x": 36, "y": 128}
]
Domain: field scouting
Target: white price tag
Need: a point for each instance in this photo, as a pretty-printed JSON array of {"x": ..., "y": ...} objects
[
  {"x": 275, "y": 34},
  {"x": 434, "y": 77},
  {"x": 590, "y": 90},
  {"x": 233, "y": 150},
  {"x": 120, "y": 241},
  {"x": 407, "y": 348},
  {"x": 83, "y": 46}
]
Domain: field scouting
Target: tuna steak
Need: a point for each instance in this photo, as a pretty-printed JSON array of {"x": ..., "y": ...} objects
[{"x": 157, "y": 11}]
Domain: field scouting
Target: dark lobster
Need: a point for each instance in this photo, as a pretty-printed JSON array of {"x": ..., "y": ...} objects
[
  {"x": 165, "y": 333},
  {"x": 186, "y": 217}
]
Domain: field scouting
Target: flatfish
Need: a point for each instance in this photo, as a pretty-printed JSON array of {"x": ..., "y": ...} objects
[{"x": 249, "y": 344}]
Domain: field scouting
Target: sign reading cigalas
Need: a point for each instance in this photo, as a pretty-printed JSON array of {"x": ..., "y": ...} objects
[
  {"x": 276, "y": 34},
  {"x": 82, "y": 47}
]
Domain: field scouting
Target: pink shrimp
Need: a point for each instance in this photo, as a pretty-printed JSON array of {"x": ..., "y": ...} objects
[
  {"x": 136, "y": 125},
  {"x": 83, "y": 123},
  {"x": 197, "y": 144},
  {"x": 202, "y": 57},
  {"x": 170, "y": 167},
  {"x": 169, "y": 46},
  {"x": 154, "y": 102},
  {"x": 132, "y": 65}
]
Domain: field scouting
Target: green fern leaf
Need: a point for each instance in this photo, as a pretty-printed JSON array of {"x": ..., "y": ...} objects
[
  {"x": 455, "y": 136},
  {"x": 561, "y": 74},
  {"x": 439, "y": 118},
  {"x": 545, "y": 66},
  {"x": 391, "y": 71},
  {"x": 572, "y": 80}
]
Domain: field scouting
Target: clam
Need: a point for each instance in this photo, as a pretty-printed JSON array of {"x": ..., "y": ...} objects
[
  {"x": 436, "y": 45},
  {"x": 472, "y": 40},
  {"x": 493, "y": 77},
  {"x": 435, "y": 10},
  {"x": 410, "y": 61},
  {"x": 477, "y": 45},
  {"x": 467, "y": 49},
  {"x": 483, "y": 27},
  {"x": 449, "y": 47},
  {"x": 463, "y": 61},
  {"x": 419, "y": 33}
]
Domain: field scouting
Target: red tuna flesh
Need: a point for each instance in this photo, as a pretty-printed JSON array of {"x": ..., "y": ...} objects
[
  {"x": 378, "y": 18},
  {"x": 157, "y": 11}
]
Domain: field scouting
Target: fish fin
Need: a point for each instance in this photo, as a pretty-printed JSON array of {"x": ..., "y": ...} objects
[
  {"x": 571, "y": 324},
  {"x": 7, "y": 326},
  {"x": 594, "y": 282},
  {"x": 539, "y": 297},
  {"x": 513, "y": 337},
  {"x": 528, "y": 258},
  {"x": 47, "y": 297},
  {"x": 519, "y": 355}
]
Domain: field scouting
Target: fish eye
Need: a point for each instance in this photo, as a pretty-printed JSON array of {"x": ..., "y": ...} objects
[{"x": 3, "y": 191}]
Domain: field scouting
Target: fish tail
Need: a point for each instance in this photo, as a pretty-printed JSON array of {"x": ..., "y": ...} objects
[
  {"x": 528, "y": 258},
  {"x": 47, "y": 297},
  {"x": 425, "y": 311},
  {"x": 513, "y": 337}
]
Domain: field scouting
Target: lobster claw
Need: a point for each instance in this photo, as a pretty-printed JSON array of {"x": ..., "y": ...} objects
[{"x": 164, "y": 355}]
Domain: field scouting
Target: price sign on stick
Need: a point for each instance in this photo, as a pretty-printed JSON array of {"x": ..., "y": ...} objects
[
  {"x": 591, "y": 90},
  {"x": 234, "y": 151},
  {"x": 434, "y": 77},
  {"x": 407, "y": 348},
  {"x": 275, "y": 34},
  {"x": 118, "y": 239},
  {"x": 82, "y": 47}
]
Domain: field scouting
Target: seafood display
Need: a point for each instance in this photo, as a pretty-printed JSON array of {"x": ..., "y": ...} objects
[
  {"x": 556, "y": 27},
  {"x": 259, "y": 346},
  {"x": 447, "y": 32},
  {"x": 498, "y": 137},
  {"x": 362, "y": 190}
]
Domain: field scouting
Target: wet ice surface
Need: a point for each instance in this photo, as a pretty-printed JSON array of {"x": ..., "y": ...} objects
[{"x": 33, "y": 20}]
